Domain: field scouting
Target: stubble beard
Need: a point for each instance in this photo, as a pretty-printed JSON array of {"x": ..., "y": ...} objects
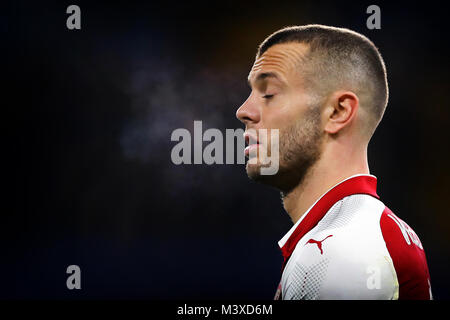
[{"x": 299, "y": 149}]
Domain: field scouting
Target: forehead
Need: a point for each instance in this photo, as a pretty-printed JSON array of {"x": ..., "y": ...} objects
[{"x": 280, "y": 59}]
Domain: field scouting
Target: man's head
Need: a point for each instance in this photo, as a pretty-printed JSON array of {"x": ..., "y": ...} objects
[{"x": 317, "y": 85}]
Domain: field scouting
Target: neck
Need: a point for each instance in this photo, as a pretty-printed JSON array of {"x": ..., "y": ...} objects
[{"x": 332, "y": 167}]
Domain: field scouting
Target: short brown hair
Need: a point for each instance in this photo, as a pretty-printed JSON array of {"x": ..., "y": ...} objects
[{"x": 339, "y": 58}]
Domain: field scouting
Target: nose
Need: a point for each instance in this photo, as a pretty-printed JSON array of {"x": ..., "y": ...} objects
[{"x": 248, "y": 112}]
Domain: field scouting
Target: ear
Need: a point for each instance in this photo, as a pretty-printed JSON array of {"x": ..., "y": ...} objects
[{"x": 341, "y": 111}]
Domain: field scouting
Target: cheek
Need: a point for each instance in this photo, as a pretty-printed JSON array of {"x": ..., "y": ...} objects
[{"x": 282, "y": 113}]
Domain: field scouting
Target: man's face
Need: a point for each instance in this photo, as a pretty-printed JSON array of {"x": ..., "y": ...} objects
[{"x": 278, "y": 100}]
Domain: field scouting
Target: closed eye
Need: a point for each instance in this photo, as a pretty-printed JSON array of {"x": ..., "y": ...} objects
[{"x": 268, "y": 96}]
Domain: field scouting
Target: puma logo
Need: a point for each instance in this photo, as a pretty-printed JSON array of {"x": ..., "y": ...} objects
[{"x": 319, "y": 243}]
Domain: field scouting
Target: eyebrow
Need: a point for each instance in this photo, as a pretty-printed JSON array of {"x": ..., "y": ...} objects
[{"x": 263, "y": 76}]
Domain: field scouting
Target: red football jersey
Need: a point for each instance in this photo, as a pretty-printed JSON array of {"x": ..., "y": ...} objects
[{"x": 349, "y": 245}]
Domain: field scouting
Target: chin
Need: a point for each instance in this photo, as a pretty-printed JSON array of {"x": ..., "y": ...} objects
[
  {"x": 285, "y": 180},
  {"x": 254, "y": 173}
]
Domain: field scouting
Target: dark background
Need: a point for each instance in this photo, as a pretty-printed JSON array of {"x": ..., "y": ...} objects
[{"x": 87, "y": 118}]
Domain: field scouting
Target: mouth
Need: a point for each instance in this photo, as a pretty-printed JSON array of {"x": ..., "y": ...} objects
[{"x": 252, "y": 143}]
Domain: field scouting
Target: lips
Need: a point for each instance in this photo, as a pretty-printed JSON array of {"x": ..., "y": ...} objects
[
  {"x": 252, "y": 143},
  {"x": 250, "y": 138}
]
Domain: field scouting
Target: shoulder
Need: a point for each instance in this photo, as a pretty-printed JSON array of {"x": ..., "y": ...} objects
[
  {"x": 345, "y": 255},
  {"x": 359, "y": 266},
  {"x": 408, "y": 256},
  {"x": 359, "y": 250}
]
